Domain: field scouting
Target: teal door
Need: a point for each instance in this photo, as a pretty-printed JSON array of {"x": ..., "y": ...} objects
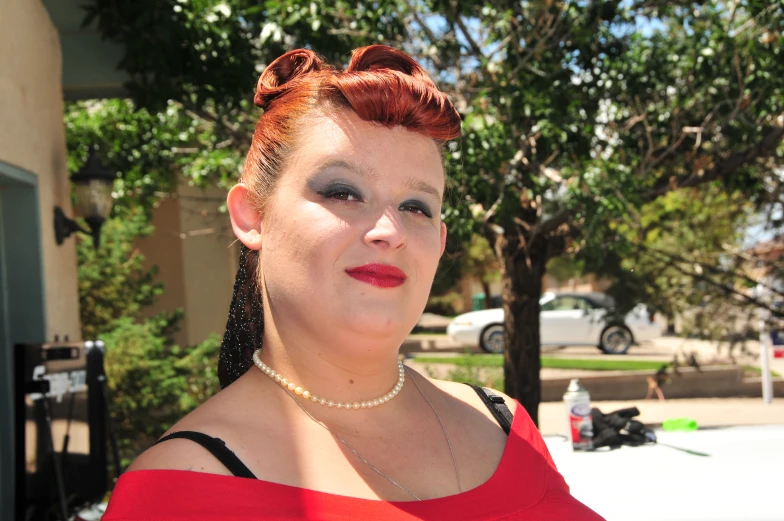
[{"x": 22, "y": 314}]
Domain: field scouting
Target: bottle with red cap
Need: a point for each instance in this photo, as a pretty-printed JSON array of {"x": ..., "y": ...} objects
[{"x": 578, "y": 410}]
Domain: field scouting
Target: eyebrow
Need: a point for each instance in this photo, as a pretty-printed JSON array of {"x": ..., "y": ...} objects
[
  {"x": 417, "y": 184},
  {"x": 411, "y": 182}
]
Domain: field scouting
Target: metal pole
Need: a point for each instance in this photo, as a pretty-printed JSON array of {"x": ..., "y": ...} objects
[{"x": 767, "y": 382}]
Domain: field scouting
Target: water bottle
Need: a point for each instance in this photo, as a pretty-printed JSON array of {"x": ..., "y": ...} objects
[{"x": 578, "y": 410}]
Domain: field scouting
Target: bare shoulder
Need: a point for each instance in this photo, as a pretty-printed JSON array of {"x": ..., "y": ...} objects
[
  {"x": 181, "y": 454},
  {"x": 213, "y": 418},
  {"x": 178, "y": 454},
  {"x": 467, "y": 395}
]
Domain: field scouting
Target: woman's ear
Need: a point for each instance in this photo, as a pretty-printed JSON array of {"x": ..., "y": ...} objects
[
  {"x": 245, "y": 218},
  {"x": 443, "y": 239}
]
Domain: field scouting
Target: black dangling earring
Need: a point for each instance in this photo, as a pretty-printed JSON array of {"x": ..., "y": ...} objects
[{"x": 245, "y": 325}]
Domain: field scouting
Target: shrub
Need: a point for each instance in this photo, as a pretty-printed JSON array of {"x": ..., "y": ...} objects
[
  {"x": 447, "y": 305},
  {"x": 153, "y": 383}
]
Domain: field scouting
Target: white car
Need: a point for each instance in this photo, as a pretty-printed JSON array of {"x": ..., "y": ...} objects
[{"x": 566, "y": 319}]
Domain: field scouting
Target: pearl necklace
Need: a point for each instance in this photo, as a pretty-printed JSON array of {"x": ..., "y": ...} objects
[
  {"x": 299, "y": 391},
  {"x": 366, "y": 462}
]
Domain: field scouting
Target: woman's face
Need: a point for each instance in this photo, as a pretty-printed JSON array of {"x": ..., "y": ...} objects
[{"x": 354, "y": 194}]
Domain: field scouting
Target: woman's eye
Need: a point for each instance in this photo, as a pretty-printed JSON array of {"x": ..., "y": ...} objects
[
  {"x": 417, "y": 209},
  {"x": 341, "y": 194}
]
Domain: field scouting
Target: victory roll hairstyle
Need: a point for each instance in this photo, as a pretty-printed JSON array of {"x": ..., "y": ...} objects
[{"x": 381, "y": 85}]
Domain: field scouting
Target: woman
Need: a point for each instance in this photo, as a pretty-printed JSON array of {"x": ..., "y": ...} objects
[{"x": 339, "y": 214}]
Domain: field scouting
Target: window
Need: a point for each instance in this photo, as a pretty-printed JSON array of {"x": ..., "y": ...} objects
[{"x": 567, "y": 303}]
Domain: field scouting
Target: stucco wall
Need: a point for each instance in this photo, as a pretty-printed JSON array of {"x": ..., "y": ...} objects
[
  {"x": 163, "y": 249},
  {"x": 192, "y": 247},
  {"x": 32, "y": 137},
  {"x": 208, "y": 261}
]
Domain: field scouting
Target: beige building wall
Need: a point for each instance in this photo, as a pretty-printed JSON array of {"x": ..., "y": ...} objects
[
  {"x": 209, "y": 263},
  {"x": 32, "y": 138},
  {"x": 164, "y": 250},
  {"x": 193, "y": 248}
]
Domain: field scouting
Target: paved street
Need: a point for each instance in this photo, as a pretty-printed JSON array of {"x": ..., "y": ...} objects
[{"x": 737, "y": 478}]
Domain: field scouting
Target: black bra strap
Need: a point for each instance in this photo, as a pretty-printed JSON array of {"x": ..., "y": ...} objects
[
  {"x": 497, "y": 406},
  {"x": 217, "y": 448}
]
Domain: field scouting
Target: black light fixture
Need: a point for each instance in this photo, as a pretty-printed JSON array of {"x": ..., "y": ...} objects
[{"x": 93, "y": 190}]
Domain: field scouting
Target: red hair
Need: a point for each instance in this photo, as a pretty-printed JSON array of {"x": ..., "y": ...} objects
[{"x": 380, "y": 84}]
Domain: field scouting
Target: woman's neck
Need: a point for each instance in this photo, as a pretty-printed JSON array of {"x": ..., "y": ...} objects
[{"x": 333, "y": 370}]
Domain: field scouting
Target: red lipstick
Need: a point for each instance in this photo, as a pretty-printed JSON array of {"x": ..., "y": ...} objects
[{"x": 381, "y": 275}]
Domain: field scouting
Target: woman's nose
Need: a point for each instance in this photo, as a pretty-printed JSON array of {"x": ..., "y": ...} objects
[{"x": 387, "y": 231}]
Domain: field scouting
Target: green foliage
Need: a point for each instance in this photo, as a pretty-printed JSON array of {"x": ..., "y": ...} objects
[
  {"x": 480, "y": 260},
  {"x": 200, "y": 363},
  {"x": 684, "y": 259},
  {"x": 476, "y": 375},
  {"x": 565, "y": 268},
  {"x": 448, "y": 304},
  {"x": 575, "y": 119},
  {"x": 450, "y": 269},
  {"x": 468, "y": 368},
  {"x": 114, "y": 281},
  {"x": 576, "y": 114},
  {"x": 151, "y": 151},
  {"x": 152, "y": 383},
  {"x": 210, "y": 52}
]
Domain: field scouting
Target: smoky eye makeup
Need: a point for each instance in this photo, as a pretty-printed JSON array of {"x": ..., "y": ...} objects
[
  {"x": 414, "y": 205},
  {"x": 337, "y": 190},
  {"x": 343, "y": 190}
]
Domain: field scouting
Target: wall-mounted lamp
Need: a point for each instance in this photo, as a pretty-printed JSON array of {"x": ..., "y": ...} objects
[{"x": 93, "y": 190}]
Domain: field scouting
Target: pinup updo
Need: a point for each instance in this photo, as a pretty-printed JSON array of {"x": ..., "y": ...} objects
[{"x": 380, "y": 85}]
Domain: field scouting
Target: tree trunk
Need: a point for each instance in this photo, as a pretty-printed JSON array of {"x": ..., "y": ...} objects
[
  {"x": 486, "y": 289},
  {"x": 521, "y": 274}
]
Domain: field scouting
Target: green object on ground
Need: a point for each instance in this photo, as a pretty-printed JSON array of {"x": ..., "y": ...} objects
[{"x": 679, "y": 424}]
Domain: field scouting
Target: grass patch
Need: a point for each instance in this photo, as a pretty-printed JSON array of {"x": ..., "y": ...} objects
[
  {"x": 750, "y": 371},
  {"x": 603, "y": 365},
  {"x": 548, "y": 362}
]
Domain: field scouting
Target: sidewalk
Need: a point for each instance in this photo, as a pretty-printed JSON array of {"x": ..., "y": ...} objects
[{"x": 708, "y": 412}]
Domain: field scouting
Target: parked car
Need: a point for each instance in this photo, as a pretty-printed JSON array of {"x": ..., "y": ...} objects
[{"x": 566, "y": 319}]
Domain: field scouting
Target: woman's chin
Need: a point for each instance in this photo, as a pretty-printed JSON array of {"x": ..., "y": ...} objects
[{"x": 380, "y": 327}]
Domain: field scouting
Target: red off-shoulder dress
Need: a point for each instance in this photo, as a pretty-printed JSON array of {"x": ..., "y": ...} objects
[{"x": 525, "y": 486}]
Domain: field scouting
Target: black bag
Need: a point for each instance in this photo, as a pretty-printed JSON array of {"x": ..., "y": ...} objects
[{"x": 618, "y": 428}]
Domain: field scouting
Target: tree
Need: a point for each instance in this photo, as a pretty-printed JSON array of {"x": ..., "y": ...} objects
[
  {"x": 575, "y": 120},
  {"x": 575, "y": 114},
  {"x": 666, "y": 251},
  {"x": 202, "y": 58},
  {"x": 151, "y": 151},
  {"x": 679, "y": 257},
  {"x": 114, "y": 281}
]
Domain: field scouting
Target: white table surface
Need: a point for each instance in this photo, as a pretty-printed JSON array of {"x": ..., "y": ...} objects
[{"x": 742, "y": 479}]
